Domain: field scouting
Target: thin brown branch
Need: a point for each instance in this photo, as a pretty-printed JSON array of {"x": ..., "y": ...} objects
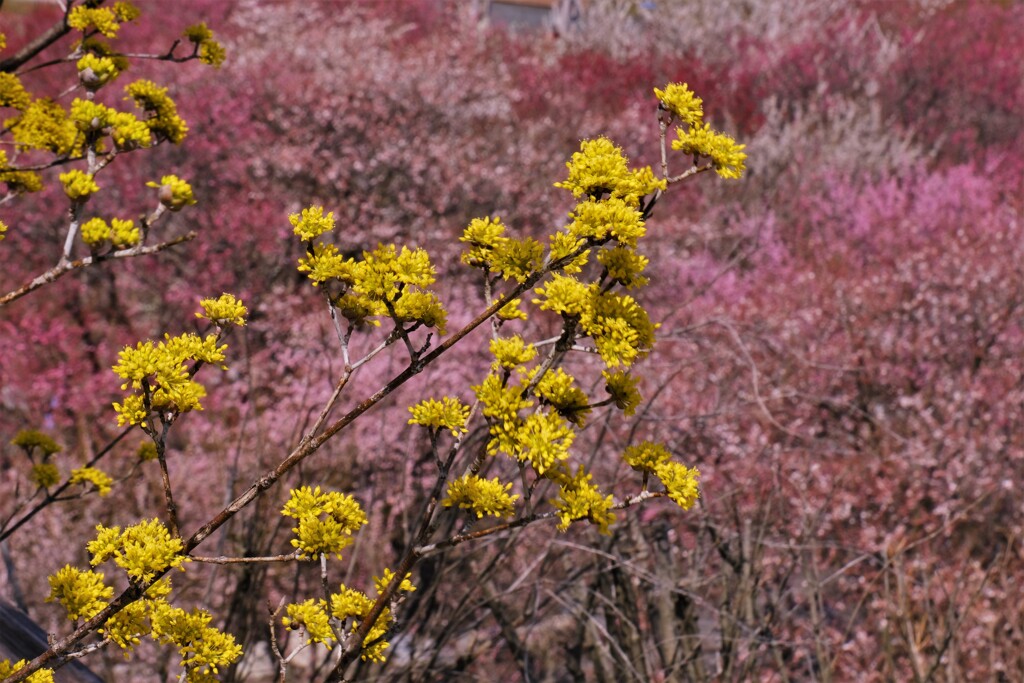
[
  {"x": 66, "y": 267},
  {"x": 45, "y": 40}
]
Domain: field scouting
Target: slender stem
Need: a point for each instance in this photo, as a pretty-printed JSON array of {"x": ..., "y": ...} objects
[
  {"x": 53, "y": 496},
  {"x": 66, "y": 267},
  {"x": 288, "y": 557},
  {"x": 172, "y": 508},
  {"x": 52, "y": 35}
]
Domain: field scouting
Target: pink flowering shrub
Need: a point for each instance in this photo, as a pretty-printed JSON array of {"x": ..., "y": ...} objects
[{"x": 839, "y": 347}]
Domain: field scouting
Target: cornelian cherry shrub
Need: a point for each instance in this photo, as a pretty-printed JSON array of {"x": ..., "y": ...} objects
[{"x": 831, "y": 340}]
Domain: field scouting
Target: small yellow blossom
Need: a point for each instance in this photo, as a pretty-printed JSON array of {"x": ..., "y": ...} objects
[
  {"x": 164, "y": 121},
  {"x": 94, "y": 72},
  {"x": 78, "y": 186},
  {"x": 580, "y": 499},
  {"x": 622, "y": 387},
  {"x": 45, "y": 125},
  {"x": 123, "y": 233},
  {"x": 311, "y": 617},
  {"x": 682, "y": 102},
  {"x": 224, "y": 310},
  {"x": 102, "y": 19},
  {"x": 147, "y": 451},
  {"x": 41, "y": 676},
  {"x": 387, "y": 576},
  {"x": 481, "y": 496},
  {"x": 175, "y": 193},
  {"x": 727, "y": 157},
  {"x": 13, "y": 93},
  {"x": 44, "y": 475},
  {"x": 312, "y": 222},
  {"x": 142, "y": 550},
  {"x": 83, "y": 594},
  {"x": 448, "y": 413},
  {"x": 95, "y": 232},
  {"x": 680, "y": 481},
  {"x": 209, "y": 50},
  {"x": 483, "y": 235},
  {"x": 325, "y": 521},
  {"x": 511, "y": 352},
  {"x": 91, "y": 475},
  {"x": 30, "y": 439},
  {"x": 646, "y": 456}
]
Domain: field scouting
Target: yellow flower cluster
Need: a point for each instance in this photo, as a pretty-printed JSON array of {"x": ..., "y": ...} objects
[
  {"x": 681, "y": 102},
  {"x": 619, "y": 326},
  {"x": 624, "y": 266},
  {"x": 163, "y": 119},
  {"x": 31, "y": 439},
  {"x": 481, "y": 496},
  {"x": 698, "y": 139},
  {"x": 160, "y": 377},
  {"x": 511, "y": 352},
  {"x": 174, "y": 193},
  {"x": 511, "y": 310},
  {"x": 567, "y": 249},
  {"x": 13, "y": 93},
  {"x": 346, "y": 609},
  {"x": 99, "y": 479},
  {"x": 101, "y": 19},
  {"x": 622, "y": 387},
  {"x": 97, "y": 120},
  {"x": 614, "y": 218},
  {"x": 646, "y": 456},
  {"x": 727, "y": 157},
  {"x": 325, "y": 521},
  {"x": 147, "y": 451},
  {"x": 209, "y": 50},
  {"x": 95, "y": 71},
  {"x": 448, "y": 413},
  {"x": 491, "y": 251},
  {"x": 82, "y": 594},
  {"x": 106, "y": 20},
  {"x": 387, "y": 281},
  {"x": 600, "y": 168},
  {"x": 44, "y": 475},
  {"x": 564, "y": 295},
  {"x": 502, "y": 402},
  {"x": 44, "y": 124},
  {"x": 578, "y": 499},
  {"x": 312, "y": 222},
  {"x": 310, "y": 616},
  {"x": 133, "y": 622},
  {"x": 41, "y": 676},
  {"x": 681, "y": 482},
  {"x": 203, "y": 649},
  {"x": 224, "y": 310},
  {"x": 78, "y": 185},
  {"x": 483, "y": 235},
  {"x": 18, "y": 181},
  {"x": 3, "y": 230},
  {"x": 387, "y": 576},
  {"x": 556, "y": 389},
  {"x": 543, "y": 440},
  {"x": 142, "y": 550},
  {"x": 120, "y": 233}
]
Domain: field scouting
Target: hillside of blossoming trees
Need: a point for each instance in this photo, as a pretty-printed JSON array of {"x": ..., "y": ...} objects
[{"x": 840, "y": 350}]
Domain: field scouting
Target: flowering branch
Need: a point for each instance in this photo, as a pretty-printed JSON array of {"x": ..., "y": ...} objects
[{"x": 67, "y": 266}]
